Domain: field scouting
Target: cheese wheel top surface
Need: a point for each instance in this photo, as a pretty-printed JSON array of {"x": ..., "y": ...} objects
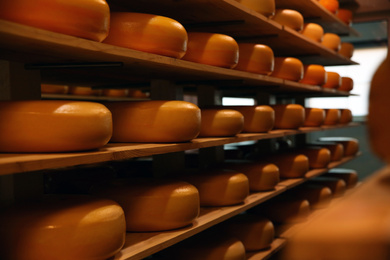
[
  {"x": 289, "y": 18},
  {"x": 313, "y": 31},
  {"x": 148, "y": 33},
  {"x": 73, "y": 126},
  {"x": 289, "y": 116},
  {"x": 221, "y": 122},
  {"x": 314, "y": 75},
  {"x": 88, "y": 19},
  {"x": 314, "y": 117},
  {"x": 255, "y": 58},
  {"x": 331, "y": 41},
  {"x": 265, "y": 7},
  {"x": 333, "y": 80},
  {"x": 346, "y": 84},
  {"x": 288, "y": 68}
]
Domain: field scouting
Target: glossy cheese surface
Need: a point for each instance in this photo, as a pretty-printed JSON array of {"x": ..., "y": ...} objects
[
  {"x": 288, "y": 68},
  {"x": 345, "y": 116},
  {"x": 333, "y": 80},
  {"x": 350, "y": 176},
  {"x": 151, "y": 204},
  {"x": 212, "y": 49},
  {"x": 89, "y": 19},
  {"x": 154, "y": 121},
  {"x": 319, "y": 196},
  {"x": 314, "y": 75},
  {"x": 313, "y": 31},
  {"x": 76, "y": 227},
  {"x": 54, "y": 89},
  {"x": 291, "y": 165},
  {"x": 332, "y": 116},
  {"x": 255, "y": 58},
  {"x": 148, "y": 33},
  {"x": 257, "y": 119},
  {"x": 221, "y": 122},
  {"x": 331, "y": 41},
  {"x": 314, "y": 117},
  {"x": 73, "y": 126},
  {"x": 346, "y": 49},
  {"x": 290, "y": 116},
  {"x": 346, "y": 84},
  {"x": 319, "y": 157},
  {"x": 289, "y": 18},
  {"x": 264, "y": 7}
]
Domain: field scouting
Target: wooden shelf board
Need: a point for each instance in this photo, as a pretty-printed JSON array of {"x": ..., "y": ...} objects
[{"x": 276, "y": 245}]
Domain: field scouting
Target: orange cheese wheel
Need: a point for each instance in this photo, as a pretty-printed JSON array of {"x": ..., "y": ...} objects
[
  {"x": 319, "y": 157},
  {"x": 220, "y": 187},
  {"x": 54, "y": 89},
  {"x": 287, "y": 210},
  {"x": 331, "y": 5},
  {"x": 212, "y": 49},
  {"x": 314, "y": 117},
  {"x": 89, "y": 19},
  {"x": 255, "y": 58},
  {"x": 221, "y": 122},
  {"x": 289, "y": 18},
  {"x": 350, "y": 176},
  {"x": 154, "y": 121},
  {"x": 333, "y": 80},
  {"x": 255, "y": 232},
  {"x": 345, "y": 116},
  {"x": 313, "y": 31},
  {"x": 264, "y": 7},
  {"x": 332, "y": 116},
  {"x": 110, "y": 92},
  {"x": 148, "y": 33},
  {"x": 152, "y": 204},
  {"x": 346, "y": 49},
  {"x": 319, "y": 196},
  {"x": 336, "y": 151},
  {"x": 137, "y": 93},
  {"x": 314, "y": 75},
  {"x": 84, "y": 91},
  {"x": 291, "y": 165},
  {"x": 331, "y": 41},
  {"x": 290, "y": 116},
  {"x": 288, "y": 68},
  {"x": 345, "y": 15},
  {"x": 53, "y": 126},
  {"x": 346, "y": 84},
  {"x": 338, "y": 186},
  {"x": 350, "y": 144},
  {"x": 77, "y": 227}
]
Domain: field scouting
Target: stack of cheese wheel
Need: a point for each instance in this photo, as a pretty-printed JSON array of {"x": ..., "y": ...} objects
[
  {"x": 350, "y": 176},
  {"x": 89, "y": 19},
  {"x": 345, "y": 15},
  {"x": 264, "y": 7},
  {"x": 350, "y": 144},
  {"x": 319, "y": 157},
  {"x": 337, "y": 185},
  {"x": 255, "y": 58},
  {"x": 319, "y": 196},
  {"x": 212, "y": 49},
  {"x": 345, "y": 116},
  {"x": 346, "y": 49},
  {"x": 84, "y": 91},
  {"x": 152, "y": 204},
  {"x": 289, "y": 18},
  {"x": 313, "y": 31},
  {"x": 289, "y": 116},
  {"x": 333, "y": 80},
  {"x": 331, "y": 5},
  {"x": 75, "y": 227},
  {"x": 288, "y": 68},
  {"x": 331, "y": 41},
  {"x": 53, "y": 126},
  {"x": 332, "y": 116},
  {"x": 291, "y": 165},
  {"x": 148, "y": 33},
  {"x": 314, "y": 117},
  {"x": 336, "y": 151},
  {"x": 54, "y": 89},
  {"x": 220, "y": 187},
  {"x": 154, "y": 121},
  {"x": 314, "y": 75},
  {"x": 257, "y": 119},
  {"x": 346, "y": 84},
  {"x": 220, "y": 122},
  {"x": 111, "y": 92}
]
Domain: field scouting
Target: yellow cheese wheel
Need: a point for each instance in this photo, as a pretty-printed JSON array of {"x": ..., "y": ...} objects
[
  {"x": 319, "y": 157},
  {"x": 336, "y": 151},
  {"x": 154, "y": 121},
  {"x": 332, "y": 116},
  {"x": 333, "y": 80},
  {"x": 264, "y": 7},
  {"x": 255, "y": 58},
  {"x": 289, "y": 18},
  {"x": 331, "y": 5},
  {"x": 350, "y": 176},
  {"x": 338, "y": 186},
  {"x": 346, "y": 49},
  {"x": 88, "y": 19},
  {"x": 255, "y": 232},
  {"x": 54, "y": 89},
  {"x": 152, "y": 204},
  {"x": 291, "y": 165},
  {"x": 148, "y": 33},
  {"x": 53, "y": 126},
  {"x": 345, "y": 15},
  {"x": 290, "y": 116},
  {"x": 331, "y": 41},
  {"x": 345, "y": 116},
  {"x": 346, "y": 84},
  {"x": 110, "y": 92},
  {"x": 314, "y": 75},
  {"x": 319, "y": 196},
  {"x": 84, "y": 91},
  {"x": 212, "y": 49},
  {"x": 287, "y": 210},
  {"x": 77, "y": 227},
  {"x": 350, "y": 144},
  {"x": 313, "y": 31},
  {"x": 220, "y": 187},
  {"x": 288, "y": 68},
  {"x": 314, "y": 117},
  {"x": 220, "y": 122}
]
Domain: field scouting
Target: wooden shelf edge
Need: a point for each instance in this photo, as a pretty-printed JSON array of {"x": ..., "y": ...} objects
[{"x": 276, "y": 245}]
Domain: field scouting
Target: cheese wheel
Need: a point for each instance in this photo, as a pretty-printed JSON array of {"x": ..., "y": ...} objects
[
  {"x": 288, "y": 68},
  {"x": 154, "y": 121},
  {"x": 53, "y": 126},
  {"x": 346, "y": 116},
  {"x": 89, "y": 19},
  {"x": 220, "y": 187},
  {"x": 333, "y": 80},
  {"x": 291, "y": 165},
  {"x": 336, "y": 151},
  {"x": 319, "y": 157},
  {"x": 290, "y": 116},
  {"x": 257, "y": 119},
  {"x": 319, "y": 196},
  {"x": 148, "y": 33},
  {"x": 54, "y": 89},
  {"x": 346, "y": 49},
  {"x": 289, "y": 18},
  {"x": 137, "y": 93},
  {"x": 255, "y": 58},
  {"x": 345, "y": 15},
  {"x": 255, "y": 232},
  {"x": 338, "y": 186},
  {"x": 331, "y": 41},
  {"x": 286, "y": 211},
  {"x": 346, "y": 84},
  {"x": 350, "y": 176},
  {"x": 221, "y": 122},
  {"x": 314, "y": 75},
  {"x": 331, "y": 5},
  {"x": 212, "y": 49},
  {"x": 264, "y": 7},
  {"x": 332, "y": 116},
  {"x": 84, "y": 91},
  {"x": 314, "y": 117},
  {"x": 350, "y": 144},
  {"x": 77, "y": 227},
  {"x": 313, "y": 31},
  {"x": 110, "y": 92},
  {"x": 152, "y": 204}
]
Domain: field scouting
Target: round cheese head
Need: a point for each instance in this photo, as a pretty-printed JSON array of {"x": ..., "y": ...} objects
[
  {"x": 314, "y": 75},
  {"x": 333, "y": 80},
  {"x": 291, "y": 165},
  {"x": 54, "y": 89},
  {"x": 346, "y": 84},
  {"x": 336, "y": 151},
  {"x": 319, "y": 157},
  {"x": 84, "y": 91},
  {"x": 257, "y": 119},
  {"x": 255, "y": 58},
  {"x": 148, "y": 33},
  {"x": 331, "y": 41},
  {"x": 288, "y": 68},
  {"x": 314, "y": 117},
  {"x": 345, "y": 15},
  {"x": 220, "y": 122},
  {"x": 346, "y": 49},
  {"x": 331, "y": 5},
  {"x": 332, "y": 116},
  {"x": 345, "y": 116},
  {"x": 289, "y": 18},
  {"x": 350, "y": 176},
  {"x": 289, "y": 116},
  {"x": 313, "y": 31},
  {"x": 264, "y": 7},
  {"x": 110, "y": 92}
]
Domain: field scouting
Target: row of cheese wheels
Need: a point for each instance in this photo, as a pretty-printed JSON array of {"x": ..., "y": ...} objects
[{"x": 85, "y": 125}]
